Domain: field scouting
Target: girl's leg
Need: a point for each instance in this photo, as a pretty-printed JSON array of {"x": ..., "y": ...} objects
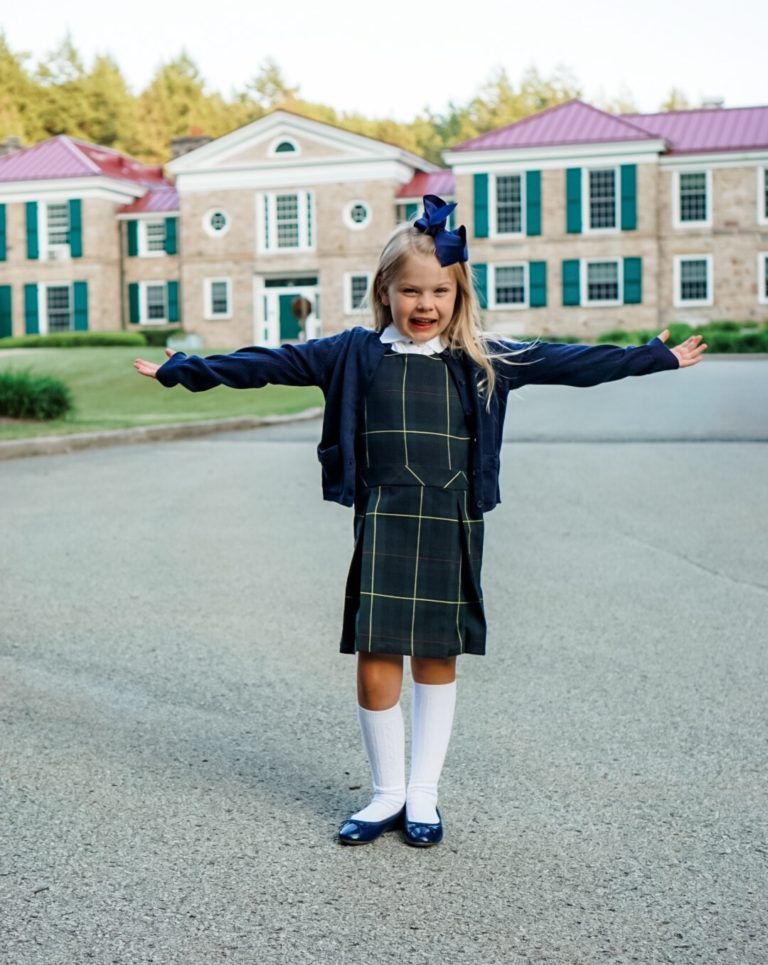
[
  {"x": 379, "y": 679},
  {"x": 434, "y": 700}
]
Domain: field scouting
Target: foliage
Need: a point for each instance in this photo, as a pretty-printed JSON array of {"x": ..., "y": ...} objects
[
  {"x": 157, "y": 337},
  {"x": 77, "y": 339},
  {"x": 24, "y": 395},
  {"x": 720, "y": 336}
]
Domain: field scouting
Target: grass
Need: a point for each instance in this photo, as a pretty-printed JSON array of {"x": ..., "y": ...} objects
[{"x": 110, "y": 394}]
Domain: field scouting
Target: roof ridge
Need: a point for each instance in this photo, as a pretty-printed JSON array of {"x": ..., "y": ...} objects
[
  {"x": 68, "y": 142},
  {"x": 698, "y": 110}
]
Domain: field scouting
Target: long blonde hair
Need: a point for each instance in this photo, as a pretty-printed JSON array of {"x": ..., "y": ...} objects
[{"x": 464, "y": 332}]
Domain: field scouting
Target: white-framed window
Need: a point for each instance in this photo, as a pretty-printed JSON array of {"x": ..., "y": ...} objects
[
  {"x": 508, "y": 285},
  {"x": 762, "y": 277},
  {"x": 57, "y": 306},
  {"x": 507, "y": 204},
  {"x": 217, "y": 298},
  {"x": 356, "y": 286},
  {"x": 601, "y": 281},
  {"x": 151, "y": 237},
  {"x": 285, "y": 221},
  {"x": 153, "y": 302},
  {"x": 54, "y": 240},
  {"x": 284, "y": 146},
  {"x": 356, "y": 215},
  {"x": 600, "y": 191},
  {"x": 692, "y": 279},
  {"x": 762, "y": 195},
  {"x": 692, "y": 199},
  {"x": 215, "y": 222}
]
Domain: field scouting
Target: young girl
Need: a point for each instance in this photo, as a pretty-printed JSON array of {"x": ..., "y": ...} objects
[{"x": 411, "y": 437}]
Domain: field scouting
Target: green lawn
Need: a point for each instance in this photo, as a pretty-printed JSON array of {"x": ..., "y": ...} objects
[{"x": 110, "y": 394}]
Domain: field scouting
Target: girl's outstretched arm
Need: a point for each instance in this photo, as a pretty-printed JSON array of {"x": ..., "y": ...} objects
[
  {"x": 688, "y": 352},
  {"x": 143, "y": 367}
]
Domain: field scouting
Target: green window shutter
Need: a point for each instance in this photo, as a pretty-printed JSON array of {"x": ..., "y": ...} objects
[
  {"x": 481, "y": 206},
  {"x": 6, "y": 318},
  {"x": 31, "y": 311},
  {"x": 33, "y": 245},
  {"x": 537, "y": 275},
  {"x": 573, "y": 200},
  {"x": 411, "y": 210},
  {"x": 571, "y": 282},
  {"x": 3, "y": 249},
  {"x": 633, "y": 281},
  {"x": 75, "y": 228},
  {"x": 628, "y": 197},
  {"x": 134, "y": 314},
  {"x": 170, "y": 236},
  {"x": 533, "y": 202},
  {"x": 480, "y": 281},
  {"x": 133, "y": 238},
  {"x": 173, "y": 301},
  {"x": 81, "y": 306}
]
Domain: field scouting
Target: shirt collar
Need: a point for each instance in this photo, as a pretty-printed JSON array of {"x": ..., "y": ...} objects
[{"x": 399, "y": 342}]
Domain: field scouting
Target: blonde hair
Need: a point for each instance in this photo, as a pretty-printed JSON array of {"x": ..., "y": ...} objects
[{"x": 464, "y": 332}]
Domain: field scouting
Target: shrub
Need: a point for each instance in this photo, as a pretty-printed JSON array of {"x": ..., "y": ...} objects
[
  {"x": 74, "y": 340},
  {"x": 27, "y": 396},
  {"x": 156, "y": 337}
]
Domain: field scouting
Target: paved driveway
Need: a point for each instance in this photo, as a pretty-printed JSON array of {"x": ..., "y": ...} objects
[{"x": 178, "y": 740}]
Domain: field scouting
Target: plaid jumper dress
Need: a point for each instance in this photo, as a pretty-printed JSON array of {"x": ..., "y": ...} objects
[{"x": 414, "y": 581}]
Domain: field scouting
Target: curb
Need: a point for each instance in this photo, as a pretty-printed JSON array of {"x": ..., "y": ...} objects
[{"x": 58, "y": 445}]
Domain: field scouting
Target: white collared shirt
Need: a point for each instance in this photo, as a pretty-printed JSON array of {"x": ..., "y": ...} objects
[{"x": 399, "y": 343}]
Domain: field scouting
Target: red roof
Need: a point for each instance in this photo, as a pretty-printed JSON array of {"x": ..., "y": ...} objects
[
  {"x": 571, "y": 123},
  {"x": 441, "y": 183},
  {"x": 165, "y": 198},
  {"x": 709, "y": 128},
  {"x": 67, "y": 157}
]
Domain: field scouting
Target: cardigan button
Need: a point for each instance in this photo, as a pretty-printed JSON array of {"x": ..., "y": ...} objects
[{"x": 479, "y": 504}]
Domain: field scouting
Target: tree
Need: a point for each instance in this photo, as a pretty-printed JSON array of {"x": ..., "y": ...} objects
[
  {"x": 269, "y": 88},
  {"x": 676, "y": 101},
  {"x": 111, "y": 115},
  {"x": 17, "y": 96}
]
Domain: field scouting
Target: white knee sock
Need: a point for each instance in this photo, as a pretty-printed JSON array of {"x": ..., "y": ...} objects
[
  {"x": 433, "y": 706},
  {"x": 384, "y": 742}
]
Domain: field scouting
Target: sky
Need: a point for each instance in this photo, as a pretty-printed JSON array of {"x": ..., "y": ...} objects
[{"x": 397, "y": 58}]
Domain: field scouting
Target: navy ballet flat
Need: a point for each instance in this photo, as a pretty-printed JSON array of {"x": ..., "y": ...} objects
[
  {"x": 423, "y": 835},
  {"x": 362, "y": 832}
]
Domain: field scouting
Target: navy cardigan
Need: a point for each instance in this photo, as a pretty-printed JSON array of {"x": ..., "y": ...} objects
[{"x": 343, "y": 366}]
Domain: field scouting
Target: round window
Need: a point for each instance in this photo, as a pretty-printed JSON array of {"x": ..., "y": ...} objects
[
  {"x": 357, "y": 215},
  {"x": 216, "y": 222}
]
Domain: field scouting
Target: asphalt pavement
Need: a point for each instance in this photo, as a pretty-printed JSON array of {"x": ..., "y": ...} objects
[{"x": 178, "y": 741}]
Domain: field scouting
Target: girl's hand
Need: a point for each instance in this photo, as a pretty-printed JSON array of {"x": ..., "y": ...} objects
[
  {"x": 688, "y": 352},
  {"x": 143, "y": 367}
]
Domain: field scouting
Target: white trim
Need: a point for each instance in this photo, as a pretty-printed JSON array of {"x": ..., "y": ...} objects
[
  {"x": 346, "y": 215},
  {"x": 307, "y": 218},
  {"x": 47, "y": 251},
  {"x": 42, "y": 304},
  {"x": 143, "y": 241},
  {"x": 677, "y": 301},
  {"x": 272, "y": 177},
  {"x": 526, "y": 158},
  {"x": 348, "y": 276},
  {"x": 720, "y": 159},
  {"x": 209, "y": 229},
  {"x": 676, "y": 222},
  {"x": 762, "y": 281},
  {"x": 584, "y": 283},
  {"x": 493, "y": 231},
  {"x": 762, "y": 202},
  {"x": 147, "y": 215},
  {"x": 587, "y": 229},
  {"x": 93, "y": 188},
  {"x": 507, "y": 306},
  {"x": 266, "y": 320},
  {"x": 283, "y": 139},
  {"x": 144, "y": 318},
  {"x": 208, "y": 312}
]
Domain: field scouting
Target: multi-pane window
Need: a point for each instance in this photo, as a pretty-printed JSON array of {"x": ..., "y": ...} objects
[
  {"x": 602, "y": 198},
  {"x": 357, "y": 291},
  {"x": 693, "y": 196},
  {"x": 603, "y": 281},
  {"x": 154, "y": 235},
  {"x": 509, "y": 204},
  {"x": 762, "y": 278},
  {"x": 509, "y": 285},
  {"x": 58, "y": 308},
  {"x": 286, "y": 222},
  {"x": 58, "y": 224},
  {"x": 694, "y": 280},
  {"x": 219, "y": 298},
  {"x": 156, "y": 303}
]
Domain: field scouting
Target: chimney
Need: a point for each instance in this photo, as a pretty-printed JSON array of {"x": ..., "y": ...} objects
[
  {"x": 9, "y": 145},
  {"x": 188, "y": 142},
  {"x": 712, "y": 103}
]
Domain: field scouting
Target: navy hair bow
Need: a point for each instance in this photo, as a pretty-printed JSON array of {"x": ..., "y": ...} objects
[{"x": 450, "y": 246}]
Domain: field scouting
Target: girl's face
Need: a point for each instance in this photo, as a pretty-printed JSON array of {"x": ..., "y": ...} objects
[{"x": 422, "y": 298}]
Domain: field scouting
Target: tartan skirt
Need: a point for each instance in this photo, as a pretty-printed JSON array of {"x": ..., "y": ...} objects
[{"x": 413, "y": 586}]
